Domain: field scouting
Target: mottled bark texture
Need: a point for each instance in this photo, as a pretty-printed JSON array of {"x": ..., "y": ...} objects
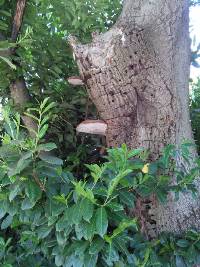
[
  {"x": 137, "y": 75},
  {"x": 18, "y": 89}
]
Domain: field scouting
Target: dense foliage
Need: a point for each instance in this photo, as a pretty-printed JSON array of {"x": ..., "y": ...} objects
[
  {"x": 71, "y": 207},
  {"x": 56, "y": 219}
]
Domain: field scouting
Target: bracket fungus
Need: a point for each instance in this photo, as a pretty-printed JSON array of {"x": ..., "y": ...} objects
[{"x": 92, "y": 127}]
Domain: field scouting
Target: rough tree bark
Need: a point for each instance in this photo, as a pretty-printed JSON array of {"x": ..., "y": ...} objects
[
  {"x": 137, "y": 75},
  {"x": 18, "y": 89}
]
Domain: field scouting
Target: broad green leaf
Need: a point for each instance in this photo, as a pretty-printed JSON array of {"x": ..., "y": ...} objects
[
  {"x": 180, "y": 261},
  {"x": 14, "y": 190},
  {"x": 46, "y": 147},
  {"x": 101, "y": 221},
  {"x": 135, "y": 152},
  {"x": 96, "y": 171},
  {"x": 23, "y": 163},
  {"x": 31, "y": 116},
  {"x": 89, "y": 229},
  {"x": 90, "y": 260},
  {"x": 27, "y": 204},
  {"x": 33, "y": 191},
  {"x": 43, "y": 130},
  {"x": 76, "y": 213},
  {"x": 3, "y": 209},
  {"x": 43, "y": 104},
  {"x": 6, "y": 222},
  {"x": 96, "y": 246},
  {"x": 2, "y": 2},
  {"x": 81, "y": 191},
  {"x": 61, "y": 238},
  {"x": 44, "y": 120},
  {"x": 121, "y": 245},
  {"x": 115, "y": 206},
  {"x": 127, "y": 198},
  {"x": 87, "y": 208},
  {"x": 50, "y": 106},
  {"x": 123, "y": 226},
  {"x": 114, "y": 182},
  {"x": 43, "y": 231},
  {"x": 183, "y": 243},
  {"x": 51, "y": 159},
  {"x": 5, "y": 59},
  {"x": 59, "y": 260}
]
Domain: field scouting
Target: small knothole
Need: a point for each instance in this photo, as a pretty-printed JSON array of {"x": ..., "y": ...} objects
[
  {"x": 135, "y": 52},
  {"x": 130, "y": 57}
]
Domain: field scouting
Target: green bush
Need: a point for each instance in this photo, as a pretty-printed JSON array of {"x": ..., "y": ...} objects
[
  {"x": 195, "y": 111},
  {"x": 51, "y": 217}
]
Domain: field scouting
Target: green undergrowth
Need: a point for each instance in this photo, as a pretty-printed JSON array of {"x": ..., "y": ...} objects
[{"x": 50, "y": 216}]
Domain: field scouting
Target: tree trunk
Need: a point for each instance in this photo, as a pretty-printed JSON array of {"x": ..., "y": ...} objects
[{"x": 137, "y": 75}]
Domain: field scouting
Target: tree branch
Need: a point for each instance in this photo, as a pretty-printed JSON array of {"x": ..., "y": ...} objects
[
  {"x": 18, "y": 18},
  {"x": 18, "y": 88}
]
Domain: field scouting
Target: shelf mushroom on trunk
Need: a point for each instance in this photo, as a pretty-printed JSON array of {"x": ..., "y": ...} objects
[{"x": 92, "y": 127}]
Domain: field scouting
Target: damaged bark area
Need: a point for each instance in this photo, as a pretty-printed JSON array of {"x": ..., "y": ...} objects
[{"x": 137, "y": 76}]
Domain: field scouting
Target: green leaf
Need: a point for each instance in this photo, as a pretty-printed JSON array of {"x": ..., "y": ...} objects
[
  {"x": 59, "y": 260},
  {"x": 23, "y": 163},
  {"x": 115, "y": 206},
  {"x": 89, "y": 229},
  {"x": 27, "y": 204},
  {"x": 5, "y": 59},
  {"x": 43, "y": 130},
  {"x": 46, "y": 147},
  {"x": 81, "y": 191},
  {"x": 124, "y": 225},
  {"x": 63, "y": 224},
  {"x": 51, "y": 159},
  {"x": 14, "y": 190},
  {"x": 127, "y": 198},
  {"x": 114, "y": 182},
  {"x": 3, "y": 210},
  {"x": 45, "y": 119},
  {"x": 101, "y": 221},
  {"x": 6, "y": 222},
  {"x": 33, "y": 191},
  {"x": 96, "y": 171},
  {"x": 134, "y": 152},
  {"x": 96, "y": 246},
  {"x": 87, "y": 209},
  {"x": 183, "y": 243},
  {"x": 180, "y": 261},
  {"x": 43, "y": 231},
  {"x": 90, "y": 260},
  {"x": 76, "y": 213},
  {"x": 2, "y": 2},
  {"x": 31, "y": 116},
  {"x": 50, "y": 106},
  {"x": 43, "y": 104}
]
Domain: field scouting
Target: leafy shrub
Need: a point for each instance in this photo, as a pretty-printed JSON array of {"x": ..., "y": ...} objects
[
  {"x": 55, "y": 211},
  {"x": 49, "y": 217},
  {"x": 195, "y": 111}
]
